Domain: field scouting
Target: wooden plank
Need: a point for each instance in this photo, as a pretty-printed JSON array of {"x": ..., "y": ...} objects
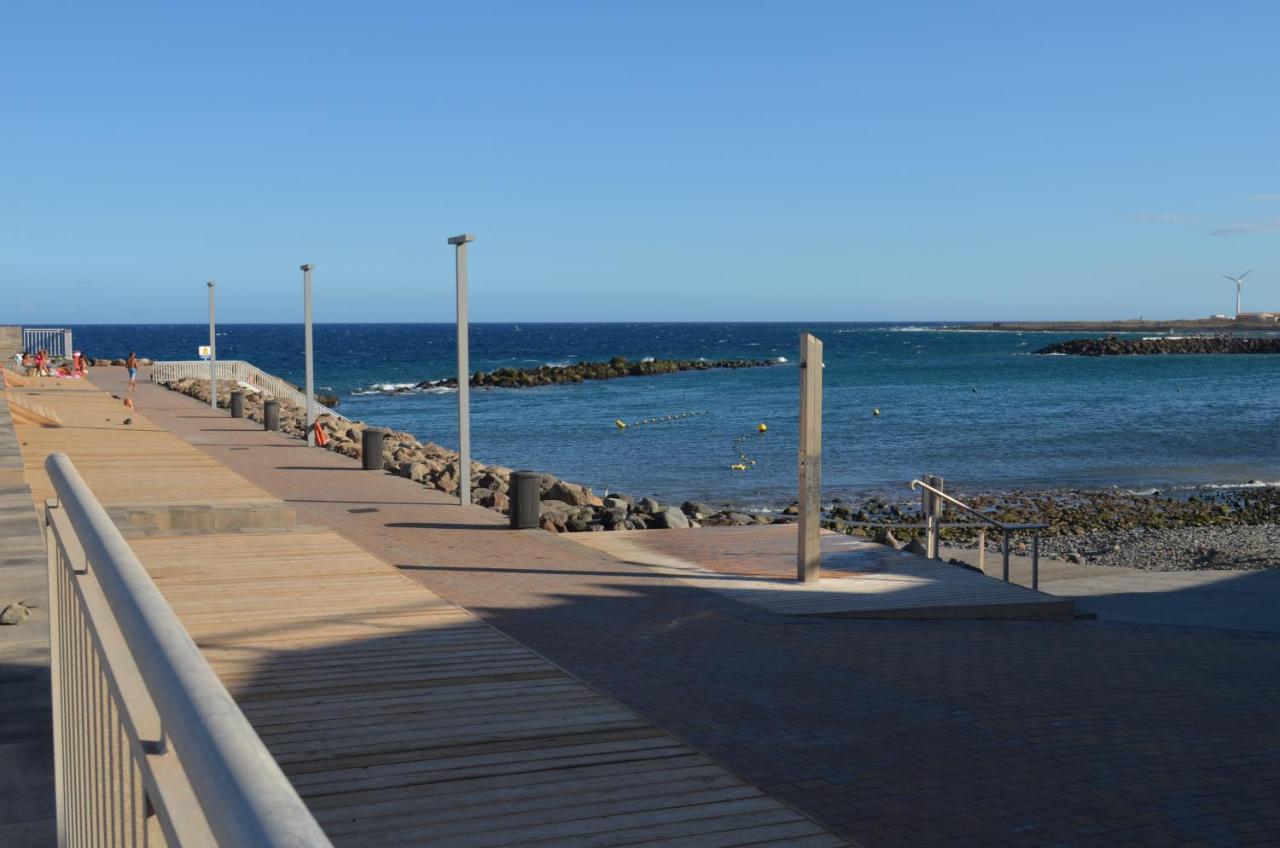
[
  {"x": 399, "y": 717},
  {"x": 809, "y": 552}
]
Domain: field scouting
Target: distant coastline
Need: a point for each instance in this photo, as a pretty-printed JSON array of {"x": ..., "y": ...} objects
[{"x": 1134, "y": 325}]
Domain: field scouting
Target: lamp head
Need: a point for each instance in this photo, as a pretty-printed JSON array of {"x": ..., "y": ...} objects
[
  {"x": 462, "y": 239},
  {"x": 306, "y": 267},
  {"x": 209, "y": 284}
]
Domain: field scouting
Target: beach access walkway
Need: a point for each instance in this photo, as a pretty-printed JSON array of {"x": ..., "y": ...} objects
[
  {"x": 892, "y": 733},
  {"x": 398, "y": 716}
]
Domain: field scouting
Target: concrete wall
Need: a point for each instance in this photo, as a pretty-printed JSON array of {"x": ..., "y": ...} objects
[{"x": 10, "y": 341}]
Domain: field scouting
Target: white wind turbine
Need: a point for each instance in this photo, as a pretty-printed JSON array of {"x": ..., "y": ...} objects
[{"x": 1238, "y": 280}]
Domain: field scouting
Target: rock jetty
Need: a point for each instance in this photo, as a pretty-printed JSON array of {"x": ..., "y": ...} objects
[
  {"x": 1113, "y": 346},
  {"x": 619, "y": 366},
  {"x": 566, "y": 506}
]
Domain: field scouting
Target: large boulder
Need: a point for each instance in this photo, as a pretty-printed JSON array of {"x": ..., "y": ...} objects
[
  {"x": 579, "y": 522},
  {"x": 569, "y": 493},
  {"x": 491, "y": 498},
  {"x": 694, "y": 509},
  {"x": 649, "y": 506},
  {"x": 672, "y": 519}
]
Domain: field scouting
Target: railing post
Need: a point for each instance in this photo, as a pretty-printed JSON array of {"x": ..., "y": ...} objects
[
  {"x": 934, "y": 538},
  {"x": 55, "y": 676},
  {"x": 1005, "y": 547},
  {"x": 1035, "y": 560},
  {"x": 982, "y": 549},
  {"x": 926, "y": 514}
]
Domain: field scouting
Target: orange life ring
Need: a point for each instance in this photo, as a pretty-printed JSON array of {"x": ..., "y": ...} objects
[{"x": 321, "y": 438}]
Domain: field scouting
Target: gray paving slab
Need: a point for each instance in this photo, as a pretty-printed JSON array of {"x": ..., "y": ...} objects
[
  {"x": 26, "y": 730},
  {"x": 895, "y": 733}
]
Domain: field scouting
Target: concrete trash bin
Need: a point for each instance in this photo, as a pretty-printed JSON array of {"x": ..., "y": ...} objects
[
  {"x": 237, "y": 404},
  {"x": 271, "y": 414},
  {"x": 525, "y": 499},
  {"x": 371, "y": 448}
]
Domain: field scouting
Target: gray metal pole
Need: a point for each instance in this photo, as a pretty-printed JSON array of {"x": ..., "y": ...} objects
[
  {"x": 306, "y": 322},
  {"x": 213, "y": 355},
  {"x": 464, "y": 371}
]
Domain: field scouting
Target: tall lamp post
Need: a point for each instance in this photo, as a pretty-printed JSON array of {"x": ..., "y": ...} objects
[
  {"x": 306, "y": 324},
  {"x": 464, "y": 379},
  {"x": 213, "y": 355}
]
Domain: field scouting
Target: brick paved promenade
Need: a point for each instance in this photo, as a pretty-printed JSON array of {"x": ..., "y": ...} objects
[{"x": 895, "y": 733}]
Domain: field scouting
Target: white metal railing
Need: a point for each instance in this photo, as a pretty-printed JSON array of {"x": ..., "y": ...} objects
[
  {"x": 149, "y": 747},
  {"x": 236, "y": 369},
  {"x": 57, "y": 341}
]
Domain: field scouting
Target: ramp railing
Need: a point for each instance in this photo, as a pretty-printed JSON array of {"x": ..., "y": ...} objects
[
  {"x": 57, "y": 341},
  {"x": 149, "y": 747},
  {"x": 236, "y": 369},
  {"x": 932, "y": 506}
]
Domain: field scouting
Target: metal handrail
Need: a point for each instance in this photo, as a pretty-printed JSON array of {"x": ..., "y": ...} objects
[
  {"x": 920, "y": 484},
  {"x": 237, "y": 786},
  {"x": 236, "y": 369},
  {"x": 1004, "y": 528}
]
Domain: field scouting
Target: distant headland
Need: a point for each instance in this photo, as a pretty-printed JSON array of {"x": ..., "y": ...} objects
[{"x": 1250, "y": 321}]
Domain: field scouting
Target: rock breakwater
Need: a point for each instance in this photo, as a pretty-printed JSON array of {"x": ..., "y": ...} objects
[
  {"x": 619, "y": 366},
  {"x": 1113, "y": 346}
]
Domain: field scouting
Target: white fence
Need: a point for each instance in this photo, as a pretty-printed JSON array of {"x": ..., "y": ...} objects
[
  {"x": 149, "y": 747},
  {"x": 56, "y": 341},
  {"x": 236, "y": 369}
]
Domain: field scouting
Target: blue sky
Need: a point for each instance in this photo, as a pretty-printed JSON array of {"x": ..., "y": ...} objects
[{"x": 638, "y": 161}]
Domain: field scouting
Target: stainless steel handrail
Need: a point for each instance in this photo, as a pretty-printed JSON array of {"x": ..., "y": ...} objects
[
  {"x": 1004, "y": 528},
  {"x": 243, "y": 795}
]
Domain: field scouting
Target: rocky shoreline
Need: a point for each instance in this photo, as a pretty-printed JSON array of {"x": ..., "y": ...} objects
[
  {"x": 1207, "y": 529},
  {"x": 1237, "y": 528},
  {"x": 619, "y": 366},
  {"x": 1113, "y": 346},
  {"x": 566, "y": 506}
]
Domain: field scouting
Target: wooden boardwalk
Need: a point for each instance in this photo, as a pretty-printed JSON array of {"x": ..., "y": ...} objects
[
  {"x": 755, "y": 565},
  {"x": 400, "y": 717}
]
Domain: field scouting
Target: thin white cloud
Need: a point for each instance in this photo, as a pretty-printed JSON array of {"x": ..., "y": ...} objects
[
  {"x": 1161, "y": 217},
  {"x": 1264, "y": 197},
  {"x": 1245, "y": 228}
]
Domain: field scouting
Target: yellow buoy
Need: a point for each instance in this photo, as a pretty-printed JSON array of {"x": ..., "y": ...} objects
[
  {"x": 738, "y": 466},
  {"x": 763, "y": 428},
  {"x": 622, "y": 425}
]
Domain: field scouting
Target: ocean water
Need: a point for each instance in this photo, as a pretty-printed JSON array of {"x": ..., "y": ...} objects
[{"x": 974, "y": 407}]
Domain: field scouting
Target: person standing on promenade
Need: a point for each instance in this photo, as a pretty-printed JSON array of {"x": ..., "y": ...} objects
[{"x": 132, "y": 364}]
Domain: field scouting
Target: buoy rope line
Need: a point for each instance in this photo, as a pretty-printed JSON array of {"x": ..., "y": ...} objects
[
  {"x": 661, "y": 419},
  {"x": 745, "y": 463}
]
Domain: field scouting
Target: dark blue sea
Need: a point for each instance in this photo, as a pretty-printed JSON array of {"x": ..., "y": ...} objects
[{"x": 974, "y": 407}]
